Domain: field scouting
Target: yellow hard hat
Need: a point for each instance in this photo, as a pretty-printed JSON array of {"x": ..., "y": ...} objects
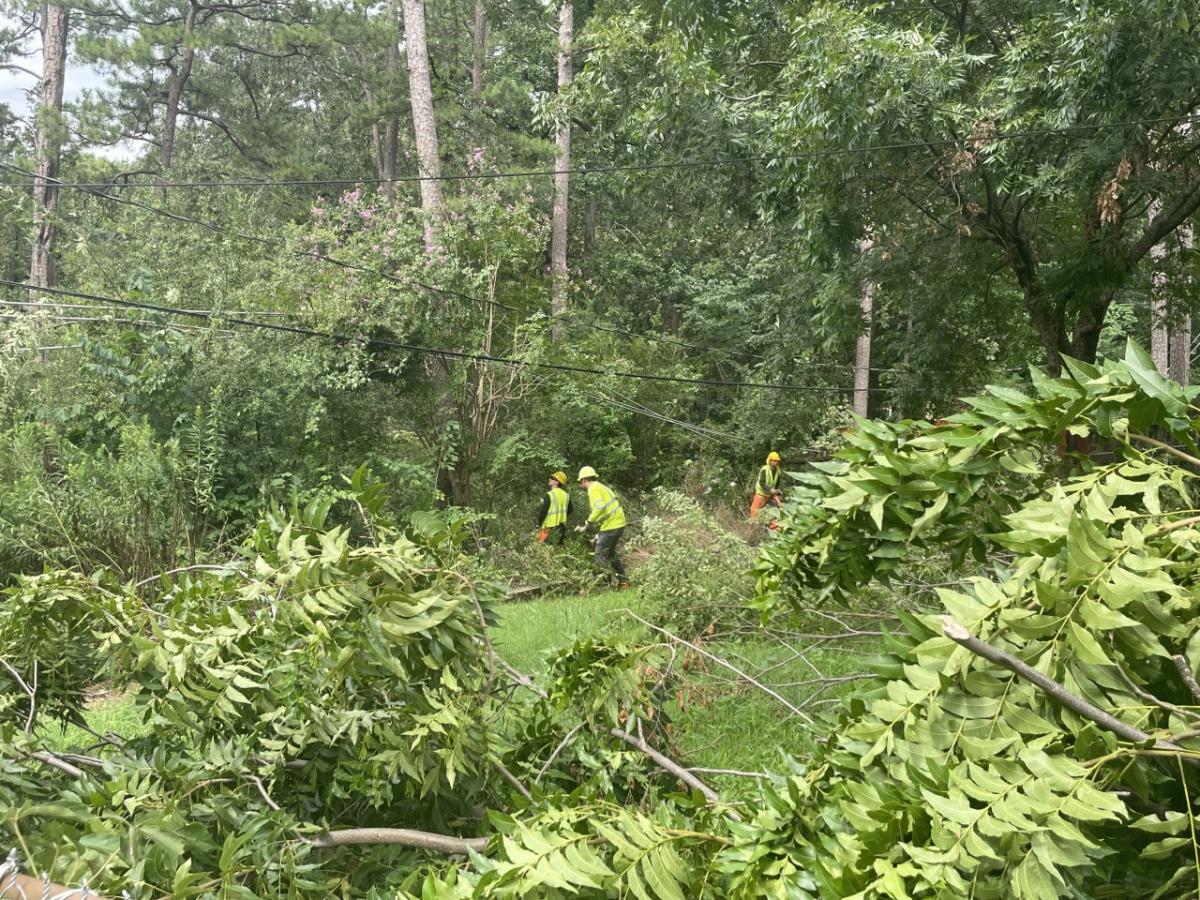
[
  {"x": 560, "y": 477},
  {"x": 772, "y": 456},
  {"x": 587, "y": 472}
]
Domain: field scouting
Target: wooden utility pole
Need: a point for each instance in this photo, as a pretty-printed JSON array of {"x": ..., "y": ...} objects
[
  {"x": 420, "y": 92},
  {"x": 55, "y": 22},
  {"x": 559, "y": 273}
]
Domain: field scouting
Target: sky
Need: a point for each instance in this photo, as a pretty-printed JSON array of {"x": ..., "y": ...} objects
[{"x": 15, "y": 87}]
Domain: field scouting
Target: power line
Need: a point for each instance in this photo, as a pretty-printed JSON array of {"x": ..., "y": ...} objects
[
  {"x": 716, "y": 162},
  {"x": 40, "y": 304},
  {"x": 266, "y": 242},
  {"x": 443, "y": 353},
  {"x": 313, "y": 254}
]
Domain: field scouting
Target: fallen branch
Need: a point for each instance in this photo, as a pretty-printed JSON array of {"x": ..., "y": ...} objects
[
  {"x": 1060, "y": 694},
  {"x": 1174, "y": 451},
  {"x": 406, "y": 837},
  {"x": 673, "y": 767},
  {"x": 1185, "y": 672},
  {"x": 30, "y": 691},
  {"x": 1143, "y": 694},
  {"x": 736, "y": 773},
  {"x": 512, "y": 779},
  {"x": 721, "y": 662},
  {"x": 557, "y": 750},
  {"x": 262, "y": 791},
  {"x": 56, "y": 762},
  {"x": 521, "y": 678}
]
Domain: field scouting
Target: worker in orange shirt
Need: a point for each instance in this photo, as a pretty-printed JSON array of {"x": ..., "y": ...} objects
[{"x": 766, "y": 485}]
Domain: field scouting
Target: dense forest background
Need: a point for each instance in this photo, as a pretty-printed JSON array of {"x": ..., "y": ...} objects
[
  {"x": 741, "y": 175},
  {"x": 302, "y": 300}
]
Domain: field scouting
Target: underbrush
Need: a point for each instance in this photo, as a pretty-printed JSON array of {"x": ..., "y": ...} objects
[{"x": 692, "y": 567}]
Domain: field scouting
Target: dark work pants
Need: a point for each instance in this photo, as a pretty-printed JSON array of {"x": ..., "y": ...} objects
[{"x": 606, "y": 551}]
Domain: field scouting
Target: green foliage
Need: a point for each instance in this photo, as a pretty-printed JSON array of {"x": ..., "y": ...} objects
[
  {"x": 48, "y": 626},
  {"x": 136, "y": 508},
  {"x": 334, "y": 681},
  {"x": 695, "y": 570},
  {"x": 955, "y": 776}
]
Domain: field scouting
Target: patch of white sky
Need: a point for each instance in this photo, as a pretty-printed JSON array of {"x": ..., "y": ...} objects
[{"x": 18, "y": 88}]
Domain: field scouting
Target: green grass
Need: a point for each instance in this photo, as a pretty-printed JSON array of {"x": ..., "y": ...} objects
[
  {"x": 116, "y": 714},
  {"x": 717, "y": 719},
  {"x": 529, "y": 631}
]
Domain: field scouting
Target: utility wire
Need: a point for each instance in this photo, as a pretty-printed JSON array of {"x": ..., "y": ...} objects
[
  {"x": 278, "y": 244},
  {"x": 272, "y": 243},
  {"x": 716, "y": 162},
  {"x": 443, "y": 353},
  {"x": 313, "y": 254},
  {"x": 43, "y": 304}
]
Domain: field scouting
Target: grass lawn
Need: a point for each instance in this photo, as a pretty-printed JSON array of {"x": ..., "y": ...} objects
[
  {"x": 115, "y": 713},
  {"x": 718, "y": 719}
]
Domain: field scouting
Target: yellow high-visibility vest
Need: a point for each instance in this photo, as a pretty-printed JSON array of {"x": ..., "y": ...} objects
[
  {"x": 606, "y": 508},
  {"x": 557, "y": 513},
  {"x": 768, "y": 480}
]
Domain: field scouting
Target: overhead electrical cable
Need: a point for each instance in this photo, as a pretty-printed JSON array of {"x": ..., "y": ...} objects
[
  {"x": 715, "y": 162},
  {"x": 440, "y": 352},
  {"x": 314, "y": 254}
]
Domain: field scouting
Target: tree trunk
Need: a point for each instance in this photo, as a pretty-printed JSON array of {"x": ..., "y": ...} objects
[
  {"x": 388, "y": 144},
  {"x": 589, "y": 225},
  {"x": 1181, "y": 324},
  {"x": 862, "y": 348},
  {"x": 179, "y": 77},
  {"x": 55, "y": 21},
  {"x": 1160, "y": 347},
  {"x": 1170, "y": 325},
  {"x": 479, "y": 54},
  {"x": 424, "y": 124},
  {"x": 559, "y": 274}
]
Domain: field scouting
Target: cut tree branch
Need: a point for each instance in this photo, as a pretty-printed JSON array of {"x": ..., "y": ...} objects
[
  {"x": 562, "y": 745},
  {"x": 1185, "y": 672},
  {"x": 1166, "y": 448},
  {"x": 673, "y": 767},
  {"x": 721, "y": 662},
  {"x": 405, "y": 837},
  {"x": 1057, "y": 692},
  {"x": 512, "y": 779}
]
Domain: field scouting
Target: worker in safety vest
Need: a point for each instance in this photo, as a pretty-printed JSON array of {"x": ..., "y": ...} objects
[
  {"x": 608, "y": 516},
  {"x": 554, "y": 511},
  {"x": 766, "y": 486}
]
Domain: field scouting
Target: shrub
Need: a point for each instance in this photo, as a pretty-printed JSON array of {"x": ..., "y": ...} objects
[{"x": 691, "y": 566}]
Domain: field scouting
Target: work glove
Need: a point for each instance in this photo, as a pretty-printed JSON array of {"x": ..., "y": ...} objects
[{"x": 580, "y": 529}]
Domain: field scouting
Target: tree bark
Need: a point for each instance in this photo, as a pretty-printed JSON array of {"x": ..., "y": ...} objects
[
  {"x": 1160, "y": 348},
  {"x": 559, "y": 273},
  {"x": 388, "y": 143},
  {"x": 589, "y": 225},
  {"x": 1170, "y": 326},
  {"x": 862, "y": 347},
  {"x": 420, "y": 93},
  {"x": 55, "y": 22},
  {"x": 179, "y": 77},
  {"x": 479, "y": 54}
]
